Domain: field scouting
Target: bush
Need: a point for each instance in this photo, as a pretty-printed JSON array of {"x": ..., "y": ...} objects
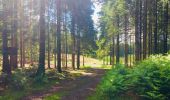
[
  {"x": 19, "y": 80},
  {"x": 148, "y": 80}
]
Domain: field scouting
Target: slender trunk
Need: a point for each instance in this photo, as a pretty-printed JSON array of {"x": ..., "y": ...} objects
[
  {"x": 140, "y": 28},
  {"x": 113, "y": 51},
  {"x": 78, "y": 50},
  {"x": 145, "y": 30},
  {"x": 137, "y": 38},
  {"x": 156, "y": 30},
  {"x": 23, "y": 49},
  {"x": 59, "y": 36},
  {"x": 131, "y": 51},
  {"x": 14, "y": 42},
  {"x": 126, "y": 40},
  {"x": 83, "y": 58},
  {"x": 66, "y": 44},
  {"x": 31, "y": 34},
  {"x": 150, "y": 29},
  {"x": 165, "y": 35},
  {"x": 110, "y": 55},
  {"x": 73, "y": 42},
  {"x": 49, "y": 36},
  {"x": 55, "y": 49},
  {"x": 117, "y": 51}
]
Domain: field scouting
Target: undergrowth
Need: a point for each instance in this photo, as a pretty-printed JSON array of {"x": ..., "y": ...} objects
[
  {"x": 147, "y": 80},
  {"x": 23, "y": 82}
]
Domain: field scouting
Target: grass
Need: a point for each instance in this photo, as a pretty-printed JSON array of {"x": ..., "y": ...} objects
[
  {"x": 22, "y": 84},
  {"x": 55, "y": 96}
]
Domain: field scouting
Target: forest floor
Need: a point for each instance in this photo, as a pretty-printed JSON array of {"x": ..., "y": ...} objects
[{"x": 76, "y": 88}]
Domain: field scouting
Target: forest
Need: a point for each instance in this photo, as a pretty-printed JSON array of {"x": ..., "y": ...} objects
[{"x": 84, "y": 50}]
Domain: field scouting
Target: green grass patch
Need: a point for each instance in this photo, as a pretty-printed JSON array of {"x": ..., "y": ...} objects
[{"x": 56, "y": 96}]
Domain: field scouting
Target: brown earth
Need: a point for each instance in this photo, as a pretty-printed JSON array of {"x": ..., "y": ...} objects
[{"x": 78, "y": 88}]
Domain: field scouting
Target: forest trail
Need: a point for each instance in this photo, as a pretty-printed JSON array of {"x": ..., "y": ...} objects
[{"x": 78, "y": 88}]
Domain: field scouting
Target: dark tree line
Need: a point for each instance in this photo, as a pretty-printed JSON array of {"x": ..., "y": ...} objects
[{"x": 52, "y": 28}]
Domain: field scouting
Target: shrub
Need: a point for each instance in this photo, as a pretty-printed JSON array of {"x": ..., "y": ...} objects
[{"x": 149, "y": 80}]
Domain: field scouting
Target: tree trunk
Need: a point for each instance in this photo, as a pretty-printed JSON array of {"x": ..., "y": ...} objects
[
  {"x": 150, "y": 29},
  {"x": 156, "y": 29},
  {"x": 145, "y": 30},
  {"x": 113, "y": 51},
  {"x": 5, "y": 64},
  {"x": 126, "y": 40},
  {"x": 78, "y": 50},
  {"x": 14, "y": 40},
  {"x": 59, "y": 36},
  {"x": 140, "y": 28},
  {"x": 137, "y": 35},
  {"x": 41, "y": 67},
  {"x": 49, "y": 37},
  {"x": 118, "y": 48},
  {"x": 165, "y": 35},
  {"x": 117, "y": 51},
  {"x": 73, "y": 42}
]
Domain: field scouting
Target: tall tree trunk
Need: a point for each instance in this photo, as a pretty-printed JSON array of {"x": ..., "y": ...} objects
[
  {"x": 126, "y": 40},
  {"x": 73, "y": 42},
  {"x": 165, "y": 35},
  {"x": 78, "y": 50},
  {"x": 5, "y": 63},
  {"x": 145, "y": 30},
  {"x": 110, "y": 54},
  {"x": 156, "y": 29},
  {"x": 137, "y": 35},
  {"x": 55, "y": 49},
  {"x": 41, "y": 67},
  {"x": 49, "y": 36},
  {"x": 59, "y": 36},
  {"x": 83, "y": 59},
  {"x": 15, "y": 43},
  {"x": 113, "y": 51},
  {"x": 23, "y": 48},
  {"x": 150, "y": 28},
  {"x": 140, "y": 27},
  {"x": 118, "y": 48},
  {"x": 31, "y": 34},
  {"x": 117, "y": 51},
  {"x": 131, "y": 49},
  {"x": 65, "y": 29}
]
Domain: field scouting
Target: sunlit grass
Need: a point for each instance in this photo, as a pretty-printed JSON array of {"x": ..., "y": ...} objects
[{"x": 55, "y": 96}]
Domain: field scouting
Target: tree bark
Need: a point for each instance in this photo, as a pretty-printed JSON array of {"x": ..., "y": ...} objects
[
  {"x": 137, "y": 35},
  {"x": 126, "y": 40},
  {"x": 41, "y": 67},
  {"x": 145, "y": 30},
  {"x": 156, "y": 29},
  {"x": 59, "y": 36},
  {"x": 113, "y": 51},
  {"x": 78, "y": 50},
  {"x": 165, "y": 35}
]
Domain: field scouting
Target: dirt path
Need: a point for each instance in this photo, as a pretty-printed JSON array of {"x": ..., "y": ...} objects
[{"x": 74, "y": 89}]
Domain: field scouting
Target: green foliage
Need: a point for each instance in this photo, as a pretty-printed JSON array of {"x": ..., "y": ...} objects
[
  {"x": 148, "y": 80},
  {"x": 56, "y": 96},
  {"x": 23, "y": 82},
  {"x": 19, "y": 80}
]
